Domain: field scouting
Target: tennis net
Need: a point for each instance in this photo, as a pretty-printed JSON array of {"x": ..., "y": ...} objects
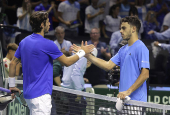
[{"x": 72, "y": 102}]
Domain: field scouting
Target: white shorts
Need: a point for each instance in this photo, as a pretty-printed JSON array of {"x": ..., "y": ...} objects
[{"x": 40, "y": 105}]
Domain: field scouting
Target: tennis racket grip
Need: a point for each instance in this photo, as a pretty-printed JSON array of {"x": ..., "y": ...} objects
[{"x": 7, "y": 90}]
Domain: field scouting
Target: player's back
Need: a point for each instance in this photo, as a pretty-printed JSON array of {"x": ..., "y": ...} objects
[{"x": 37, "y": 64}]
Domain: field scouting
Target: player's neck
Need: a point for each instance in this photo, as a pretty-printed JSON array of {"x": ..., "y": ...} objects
[
  {"x": 132, "y": 40},
  {"x": 41, "y": 33}
]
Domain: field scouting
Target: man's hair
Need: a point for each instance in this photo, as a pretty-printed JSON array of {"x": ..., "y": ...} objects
[
  {"x": 132, "y": 21},
  {"x": 59, "y": 28},
  {"x": 36, "y": 19},
  {"x": 95, "y": 29},
  {"x": 12, "y": 46}
]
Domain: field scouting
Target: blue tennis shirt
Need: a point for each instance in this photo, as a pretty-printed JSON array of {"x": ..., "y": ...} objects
[
  {"x": 131, "y": 60},
  {"x": 37, "y": 54}
]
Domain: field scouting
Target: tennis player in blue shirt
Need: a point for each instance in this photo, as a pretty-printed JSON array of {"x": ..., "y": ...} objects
[
  {"x": 133, "y": 60},
  {"x": 37, "y": 54}
]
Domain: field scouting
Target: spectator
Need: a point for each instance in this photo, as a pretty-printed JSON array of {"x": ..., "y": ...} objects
[
  {"x": 11, "y": 48},
  {"x": 165, "y": 47},
  {"x": 62, "y": 44},
  {"x": 104, "y": 4},
  {"x": 69, "y": 13},
  {"x": 161, "y": 9},
  {"x": 150, "y": 23},
  {"x": 134, "y": 12},
  {"x": 116, "y": 38},
  {"x": 142, "y": 9},
  {"x": 93, "y": 16},
  {"x": 54, "y": 19},
  {"x": 124, "y": 8},
  {"x": 23, "y": 14},
  {"x": 98, "y": 78},
  {"x": 50, "y": 9},
  {"x": 73, "y": 79},
  {"x": 111, "y": 22},
  {"x": 166, "y": 22}
]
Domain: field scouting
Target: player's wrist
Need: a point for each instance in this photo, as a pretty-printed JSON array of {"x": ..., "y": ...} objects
[
  {"x": 11, "y": 81},
  {"x": 81, "y": 53}
]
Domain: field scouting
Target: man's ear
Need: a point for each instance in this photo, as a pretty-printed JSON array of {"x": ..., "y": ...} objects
[
  {"x": 133, "y": 29},
  {"x": 42, "y": 25}
]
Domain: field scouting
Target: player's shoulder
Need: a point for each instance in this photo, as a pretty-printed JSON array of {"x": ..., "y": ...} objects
[{"x": 141, "y": 46}]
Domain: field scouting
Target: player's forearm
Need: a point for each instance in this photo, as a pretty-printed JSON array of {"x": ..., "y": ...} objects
[
  {"x": 141, "y": 79},
  {"x": 99, "y": 62},
  {"x": 71, "y": 60}
]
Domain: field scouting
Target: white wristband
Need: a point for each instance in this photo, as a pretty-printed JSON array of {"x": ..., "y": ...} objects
[
  {"x": 81, "y": 53},
  {"x": 11, "y": 81}
]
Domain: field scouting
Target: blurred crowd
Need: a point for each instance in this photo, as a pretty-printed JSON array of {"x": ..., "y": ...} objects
[{"x": 97, "y": 20}]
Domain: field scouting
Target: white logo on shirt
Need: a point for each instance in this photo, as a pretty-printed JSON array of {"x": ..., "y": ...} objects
[{"x": 145, "y": 62}]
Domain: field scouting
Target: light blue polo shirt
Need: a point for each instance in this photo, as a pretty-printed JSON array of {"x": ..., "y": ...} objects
[
  {"x": 37, "y": 54},
  {"x": 131, "y": 60}
]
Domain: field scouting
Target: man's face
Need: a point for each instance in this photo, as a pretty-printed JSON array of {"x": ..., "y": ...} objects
[
  {"x": 47, "y": 26},
  {"x": 126, "y": 30},
  {"x": 95, "y": 34},
  {"x": 60, "y": 34}
]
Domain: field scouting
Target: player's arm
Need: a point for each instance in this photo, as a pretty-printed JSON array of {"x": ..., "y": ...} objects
[
  {"x": 140, "y": 80},
  {"x": 67, "y": 61},
  {"x": 106, "y": 65}
]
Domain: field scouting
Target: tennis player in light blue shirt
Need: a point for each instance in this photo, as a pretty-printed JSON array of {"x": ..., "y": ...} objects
[{"x": 133, "y": 60}]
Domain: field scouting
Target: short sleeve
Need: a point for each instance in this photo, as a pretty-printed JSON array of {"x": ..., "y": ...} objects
[
  {"x": 51, "y": 49},
  {"x": 143, "y": 57},
  {"x": 61, "y": 7},
  {"x": 18, "y": 53},
  {"x": 116, "y": 59}
]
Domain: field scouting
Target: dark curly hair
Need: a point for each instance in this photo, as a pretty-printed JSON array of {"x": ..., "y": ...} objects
[
  {"x": 133, "y": 21},
  {"x": 36, "y": 19}
]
